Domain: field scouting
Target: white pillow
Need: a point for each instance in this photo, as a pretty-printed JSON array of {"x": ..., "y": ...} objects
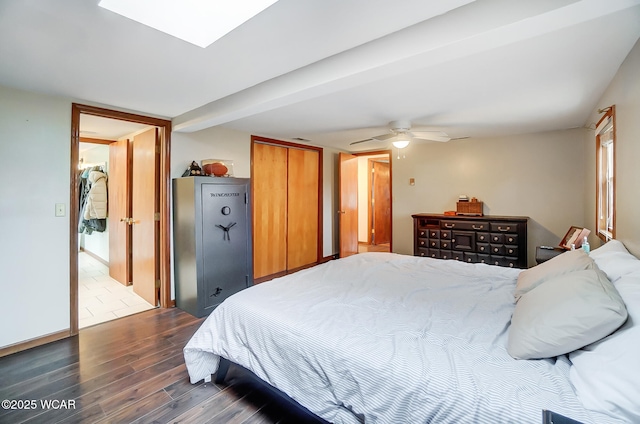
[
  {"x": 562, "y": 264},
  {"x": 564, "y": 314},
  {"x": 615, "y": 260},
  {"x": 606, "y": 374}
]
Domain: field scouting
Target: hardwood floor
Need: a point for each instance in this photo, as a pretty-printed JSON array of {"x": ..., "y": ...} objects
[
  {"x": 364, "y": 247},
  {"x": 130, "y": 370}
]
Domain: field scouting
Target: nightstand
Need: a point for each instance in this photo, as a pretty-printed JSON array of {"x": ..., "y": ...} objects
[{"x": 543, "y": 255}]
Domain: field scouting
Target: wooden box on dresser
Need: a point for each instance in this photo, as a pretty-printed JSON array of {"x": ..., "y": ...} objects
[{"x": 494, "y": 240}]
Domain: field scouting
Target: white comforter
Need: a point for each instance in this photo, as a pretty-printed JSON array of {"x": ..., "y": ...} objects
[{"x": 386, "y": 338}]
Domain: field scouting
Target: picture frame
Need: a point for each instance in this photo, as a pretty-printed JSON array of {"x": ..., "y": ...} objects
[{"x": 574, "y": 236}]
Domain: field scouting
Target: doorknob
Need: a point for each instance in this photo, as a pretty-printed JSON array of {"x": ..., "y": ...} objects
[
  {"x": 341, "y": 212},
  {"x": 126, "y": 220}
]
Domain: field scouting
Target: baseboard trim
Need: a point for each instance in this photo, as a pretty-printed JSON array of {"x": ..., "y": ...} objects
[
  {"x": 38, "y": 341},
  {"x": 330, "y": 258},
  {"x": 94, "y": 256}
]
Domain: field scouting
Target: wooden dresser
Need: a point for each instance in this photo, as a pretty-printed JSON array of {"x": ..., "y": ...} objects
[{"x": 494, "y": 240}]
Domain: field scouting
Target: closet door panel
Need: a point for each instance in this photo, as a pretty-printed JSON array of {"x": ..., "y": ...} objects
[
  {"x": 302, "y": 220},
  {"x": 269, "y": 209}
]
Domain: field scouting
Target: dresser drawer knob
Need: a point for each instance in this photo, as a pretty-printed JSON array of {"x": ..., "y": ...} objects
[
  {"x": 447, "y": 225},
  {"x": 477, "y": 227},
  {"x": 501, "y": 228}
]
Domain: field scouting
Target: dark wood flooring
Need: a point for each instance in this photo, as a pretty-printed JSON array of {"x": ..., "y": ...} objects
[{"x": 130, "y": 370}]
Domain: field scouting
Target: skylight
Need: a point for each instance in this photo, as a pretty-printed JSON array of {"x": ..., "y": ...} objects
[{"x": 200, "y": 22}]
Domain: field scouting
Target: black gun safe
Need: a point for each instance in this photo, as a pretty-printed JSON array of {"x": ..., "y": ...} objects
[{"x": 211, "y": 241}]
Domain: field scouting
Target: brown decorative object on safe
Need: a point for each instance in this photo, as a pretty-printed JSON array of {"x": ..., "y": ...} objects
[{"x": 216, "y": 169}]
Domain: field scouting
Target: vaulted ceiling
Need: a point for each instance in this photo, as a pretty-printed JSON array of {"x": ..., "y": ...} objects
[{"x": 334, "y": 71}]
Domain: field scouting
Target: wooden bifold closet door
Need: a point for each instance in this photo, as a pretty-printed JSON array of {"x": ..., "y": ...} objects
[{"x": 286, "y": 185}]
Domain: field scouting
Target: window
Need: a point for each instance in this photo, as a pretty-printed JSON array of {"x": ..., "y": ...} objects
[{"x": 605, "y": 189}]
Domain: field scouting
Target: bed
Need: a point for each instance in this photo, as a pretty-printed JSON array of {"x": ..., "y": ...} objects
[{"x": 389, "y": 338}]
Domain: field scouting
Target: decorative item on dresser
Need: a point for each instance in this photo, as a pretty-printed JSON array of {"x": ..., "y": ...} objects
[{"x": 494, "y": 240}]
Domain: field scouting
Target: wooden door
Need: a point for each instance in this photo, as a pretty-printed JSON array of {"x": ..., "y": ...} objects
[
  {"x": 302, "y": 208},
  {"x": 269, "y": 181},
  {"x": 381, "y": 203},
  {"x": 119, "y": 211},
  {"x": 144, "y": 200},
  {"x": 348, "y": 202}
]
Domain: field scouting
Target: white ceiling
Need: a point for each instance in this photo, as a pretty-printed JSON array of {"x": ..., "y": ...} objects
[{"x": 335, "y": 71}]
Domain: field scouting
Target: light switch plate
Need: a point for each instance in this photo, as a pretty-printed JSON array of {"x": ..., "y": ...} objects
[{"x": 60, "y": 209}]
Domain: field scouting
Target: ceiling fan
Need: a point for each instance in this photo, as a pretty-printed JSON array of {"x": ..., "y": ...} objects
[{"x": 400, "y": 132}]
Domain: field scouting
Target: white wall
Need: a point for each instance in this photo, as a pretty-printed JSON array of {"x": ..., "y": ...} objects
[
  {"x": 34, "y": 243},
  {"x": 536, "y": 175},
  {"x": 624, "y": 93}
]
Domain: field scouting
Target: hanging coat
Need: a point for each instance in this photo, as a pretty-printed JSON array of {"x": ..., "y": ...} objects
[{"x": 96, "y": 203}]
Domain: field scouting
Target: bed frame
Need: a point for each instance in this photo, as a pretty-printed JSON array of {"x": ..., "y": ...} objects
[{"x": 294, "y": 411}]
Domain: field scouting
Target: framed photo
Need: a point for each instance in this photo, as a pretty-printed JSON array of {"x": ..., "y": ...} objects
[{"x": 574, "y": 236}]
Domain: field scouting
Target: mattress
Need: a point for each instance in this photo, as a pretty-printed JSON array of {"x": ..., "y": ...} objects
[{"x": 388, "y": 338}]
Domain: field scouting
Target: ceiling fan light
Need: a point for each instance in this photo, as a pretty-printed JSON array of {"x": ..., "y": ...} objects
[{"x": 401, "y": 141}]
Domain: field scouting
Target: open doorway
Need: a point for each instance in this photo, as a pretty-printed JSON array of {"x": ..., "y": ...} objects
[
  {"x": 105, "y": 290},
  {"x": 111, "y": 255},
  {"x": 365, "y": 213},
  {"x": 374, "y": 203}
]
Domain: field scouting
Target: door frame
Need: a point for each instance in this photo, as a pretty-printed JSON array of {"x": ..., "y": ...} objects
[
  {"x": 164, "y": 196},
  {"x": 389, "y": 154}
]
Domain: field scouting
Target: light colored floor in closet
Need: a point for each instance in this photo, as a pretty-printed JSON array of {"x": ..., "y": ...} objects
[{"x": 100, "y": 297}]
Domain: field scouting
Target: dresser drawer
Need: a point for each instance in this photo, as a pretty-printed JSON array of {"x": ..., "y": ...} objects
[
  {"x": 511, "y": 238},
  {"x": 422, "y": 233},
  {"x": 496, "y": 249},
  {"x": 482, "y": 237},
  {"x": 511, "y": 250},
  {"x": 482, "y": 247},
  {"x": 445, "y": 244},
  {"x": 504, "y": 227},
  {"x": 465, "y": 225},
  {"x": 463, "y": 240}
]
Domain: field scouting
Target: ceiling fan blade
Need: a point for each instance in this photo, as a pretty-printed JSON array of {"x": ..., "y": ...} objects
[
  {"x": 431, "y": 135},
  {"x": 425, "y": 134},
  {"x": 361, "y": 141},
  {"x": 383, "y": 137},
  {"x": 434, "y": 138}
]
